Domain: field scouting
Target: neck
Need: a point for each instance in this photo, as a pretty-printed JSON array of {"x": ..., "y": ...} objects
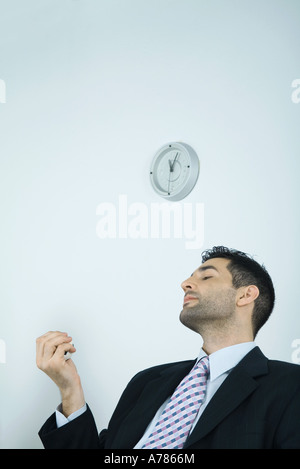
[{"x": 216, "y": 340}]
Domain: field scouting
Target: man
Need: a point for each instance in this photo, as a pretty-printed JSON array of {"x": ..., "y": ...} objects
[{"x": 232, "y": 396}]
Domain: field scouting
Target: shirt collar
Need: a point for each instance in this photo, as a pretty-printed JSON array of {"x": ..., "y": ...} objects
[{"x": 225, "y": 359}]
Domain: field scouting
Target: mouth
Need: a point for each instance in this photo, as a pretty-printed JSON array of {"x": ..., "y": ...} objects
[{"x": 188, "y": 298}]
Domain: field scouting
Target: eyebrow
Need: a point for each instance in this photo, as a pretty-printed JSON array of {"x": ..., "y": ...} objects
[{"x": 206, "y": 267}]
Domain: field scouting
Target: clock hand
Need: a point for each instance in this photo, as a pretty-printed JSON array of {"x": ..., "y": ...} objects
[
  {"x": 172, "y": 167},
  {"x": 171, "y": 170},
  {"x": 169, "y": 180}
]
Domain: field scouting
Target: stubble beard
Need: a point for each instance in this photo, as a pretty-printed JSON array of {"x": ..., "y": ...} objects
[{"x": 212, "y": 312}]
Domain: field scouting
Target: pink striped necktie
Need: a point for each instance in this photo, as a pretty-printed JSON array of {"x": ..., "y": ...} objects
[{"x": 174, "y": 424}]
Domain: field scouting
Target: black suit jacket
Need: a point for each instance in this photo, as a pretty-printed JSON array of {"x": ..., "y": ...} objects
[{"x": 257, "y": 406}]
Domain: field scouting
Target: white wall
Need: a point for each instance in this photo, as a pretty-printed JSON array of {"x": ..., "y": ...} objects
[{"x": 92, "y": 89}]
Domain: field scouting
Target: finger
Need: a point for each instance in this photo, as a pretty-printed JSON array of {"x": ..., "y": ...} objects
[
  {"x": 50, "y": 334},
  {"x": 57, "y": 339},
  {"x": 62, "y": 349},
  {"x": 52, "y": 344},
  {"x": 40, "y": 341},
  {"x": 40, "y": 344},
  {"x": 46, "y": 344}
]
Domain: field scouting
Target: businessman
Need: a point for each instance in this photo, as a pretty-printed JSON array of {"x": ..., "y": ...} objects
[{"x": 230, "y": 397}]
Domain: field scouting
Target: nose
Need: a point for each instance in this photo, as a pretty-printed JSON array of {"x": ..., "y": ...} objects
[{"x": 188, "y": 284}]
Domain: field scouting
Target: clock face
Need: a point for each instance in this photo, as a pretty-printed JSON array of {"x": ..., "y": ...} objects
[{"x": 174, "y": 171}]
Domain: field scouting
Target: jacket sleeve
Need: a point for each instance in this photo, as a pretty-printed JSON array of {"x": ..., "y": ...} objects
[{"x": 80, "y": 433}]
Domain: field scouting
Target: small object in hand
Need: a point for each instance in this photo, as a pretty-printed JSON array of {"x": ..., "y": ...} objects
[{"x": 68, "y": 354}]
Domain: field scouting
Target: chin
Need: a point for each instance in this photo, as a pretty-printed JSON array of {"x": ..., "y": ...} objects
[{"x": 189, "y": 320}]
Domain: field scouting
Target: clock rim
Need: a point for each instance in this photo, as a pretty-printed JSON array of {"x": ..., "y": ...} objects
[{"x": 191, "y": 181}]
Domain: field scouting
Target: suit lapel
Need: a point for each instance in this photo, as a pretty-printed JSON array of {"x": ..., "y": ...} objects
[
  {"x": 235, "y": 389},
  {"x": 155, "y": 392}
]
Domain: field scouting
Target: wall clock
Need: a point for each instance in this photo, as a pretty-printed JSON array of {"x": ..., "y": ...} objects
[{"x": 174, "y": 171}]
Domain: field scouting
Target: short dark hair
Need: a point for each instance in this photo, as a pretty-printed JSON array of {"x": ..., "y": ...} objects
[{"x": 246, "y": 271}]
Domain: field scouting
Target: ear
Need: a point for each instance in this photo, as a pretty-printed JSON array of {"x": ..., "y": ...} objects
[{"x": 247, "y": 295}]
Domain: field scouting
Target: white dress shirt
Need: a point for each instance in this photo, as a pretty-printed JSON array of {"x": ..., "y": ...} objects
[{"x": 221, "y": 363}]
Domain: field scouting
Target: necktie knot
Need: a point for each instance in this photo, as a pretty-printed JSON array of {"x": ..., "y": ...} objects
[{"x": 203, "y": 364}]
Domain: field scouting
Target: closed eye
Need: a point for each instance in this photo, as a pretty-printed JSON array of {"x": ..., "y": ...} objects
[{"x": 205, "y": 278}]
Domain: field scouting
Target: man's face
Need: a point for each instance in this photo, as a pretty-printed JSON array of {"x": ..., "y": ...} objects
[{"x": 209, "y": 295}]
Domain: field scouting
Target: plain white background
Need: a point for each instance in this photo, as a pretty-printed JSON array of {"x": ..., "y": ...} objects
[{"x": 93, "y": 89}]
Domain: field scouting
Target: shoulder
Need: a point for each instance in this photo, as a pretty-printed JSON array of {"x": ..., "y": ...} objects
[
  {"x": 284, "y": 368},
  {"x": 257, "y": 364},
  {"x": 283, "y": 377},
  {"x": 157, "y": 370},
  {"x": 155, "y": 373}
]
